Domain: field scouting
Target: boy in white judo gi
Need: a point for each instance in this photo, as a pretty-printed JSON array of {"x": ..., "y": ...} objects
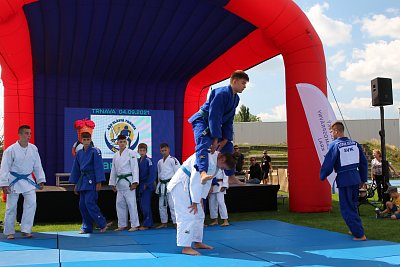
[
  {"x": 124, "y": 179},
  {"x": 217, "y": 199},
  {"x": 187, "y": 191},
  {"x": 166, "y": 168},
  {"x": 18, "y": 163}
]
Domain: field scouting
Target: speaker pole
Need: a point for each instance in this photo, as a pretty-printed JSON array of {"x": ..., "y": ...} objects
[{"x": 385, "y": 164}]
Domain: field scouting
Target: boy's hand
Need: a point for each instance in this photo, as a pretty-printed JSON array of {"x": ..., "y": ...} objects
[
  {"x": 222, "y": 144},
  {"x": 133, "y": 186},
  {"x": 114, "y": 188},
  {"x": 214, "y": 145},
  {"x": 222, "y": 189},
  {"x": 41, "y": 185},
  {"x": 6, "y": 190},
  {"x": 75, "y": 192},
  {"x": 144, "y": 187},
  {"x": 205, "y": 177},
  {"x": 98, "y": 187},
  {"x": 193, "y": 208}
]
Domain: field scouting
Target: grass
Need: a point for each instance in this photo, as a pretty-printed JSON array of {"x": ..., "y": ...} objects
[{"x": 381, "y": 229}]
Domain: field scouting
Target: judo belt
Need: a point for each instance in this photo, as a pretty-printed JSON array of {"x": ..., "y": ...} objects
[
  {"x": 205, "y": 116},
  {"x": 216, "y": 181},
  {"x": 124, "y": 177},
  {"x": 19, "y": 177},
  {"x": 83, "y": 173},
  {"x": 187, "y": 172},
  {"x": 165, "y": 182}
]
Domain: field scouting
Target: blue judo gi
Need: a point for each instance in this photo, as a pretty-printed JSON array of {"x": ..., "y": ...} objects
[
  {"x": 147, "y": 176},
  {"x": 87, "y": 170},
  {"x": 214, "y": 120},
  {"x": 346, "y": 157}
]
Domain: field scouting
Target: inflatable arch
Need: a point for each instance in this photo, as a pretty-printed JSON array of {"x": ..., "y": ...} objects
[{"x": 154, "y": 54}]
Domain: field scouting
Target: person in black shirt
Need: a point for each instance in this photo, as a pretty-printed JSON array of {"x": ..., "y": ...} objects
[
  {"x": 238, "y": 156},
  {"x": 266, "y": 167},
  {"x": 254, "y": 172}
]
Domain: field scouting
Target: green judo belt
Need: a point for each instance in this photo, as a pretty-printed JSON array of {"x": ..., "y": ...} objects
[
  {"x": 165, "y": 182},
  {"x": 124, "y": 177}
]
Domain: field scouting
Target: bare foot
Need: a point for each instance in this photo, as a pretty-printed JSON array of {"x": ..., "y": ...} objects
[
  {"x": 83, "y": 232},
  {"x": 200, "y": 245},
  {"x": 102, "y": 230},
  {"x": 225, "y": 224},
  {"x": 363, "y": 238},
  {"x": 120, "y": 229},
  {"x": 163, "y": 225},
  {"x": 234, "y": 180},
  {"x": 10, "y": 237},
  {"x": 141, "y": 228},
  {"x": 205, "y": 225},
  {"x": 214, "y": 222},
  {"x": 190, "y": 251},
  {"x": 27, "y": 235},
  {"x": 133, "y": 229}
]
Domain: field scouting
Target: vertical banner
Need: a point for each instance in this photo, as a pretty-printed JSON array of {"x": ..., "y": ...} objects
[{"x": 320, "y": 117}]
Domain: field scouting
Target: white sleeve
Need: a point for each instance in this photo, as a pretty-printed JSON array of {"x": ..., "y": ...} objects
[
  {"x": 6, "y": 163},
  {"x": 175, "y": 165},
  {"x": 225, "y": 181},
  {"x": 134, "y": 167},
  {"x": 195, "y": 187},
  {"x": 37, "y": 168},
  {"x": 113, "y": 174}
]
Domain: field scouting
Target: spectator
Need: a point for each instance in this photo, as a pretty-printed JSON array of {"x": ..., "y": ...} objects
[
  {"x": 254, "y": 172},
  {"x": 392, "y": 207},
  {"x": 238, "y": 156},
  {"x": 376, "y": 172},
  {"x": 266, "y": 167}
]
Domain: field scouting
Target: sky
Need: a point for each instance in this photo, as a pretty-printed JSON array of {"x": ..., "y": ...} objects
[{"x": 361, "y": 40}]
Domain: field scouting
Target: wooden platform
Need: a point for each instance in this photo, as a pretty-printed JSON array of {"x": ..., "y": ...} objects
[{"x": 60, "y": 204}]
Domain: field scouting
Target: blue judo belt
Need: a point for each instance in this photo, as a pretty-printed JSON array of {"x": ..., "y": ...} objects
[
  {"x": 187, "y": 172},
  {"x": 19, "y": 177}
]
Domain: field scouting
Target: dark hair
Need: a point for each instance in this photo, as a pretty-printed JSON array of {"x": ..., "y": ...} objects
[
  {"x": 338, "y": 125},
  {"x": 142, "y": 145},
  {"x": 121, "y": 137},
  {"x": 23, "y": 127},
  {"x": 162, "y": 145},
  {"x": 239, "y": 74},
  {"x": 230, "y": 161},
  {"x": 86, "y": 135}
]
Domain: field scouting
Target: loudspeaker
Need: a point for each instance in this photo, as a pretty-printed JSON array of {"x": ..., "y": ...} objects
[{"x": 381, "y": 90}]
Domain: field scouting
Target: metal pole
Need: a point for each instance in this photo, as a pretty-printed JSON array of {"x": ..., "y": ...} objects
[{"x": 385, "y": 165}]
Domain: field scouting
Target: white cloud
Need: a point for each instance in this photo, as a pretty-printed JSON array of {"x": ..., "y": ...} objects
[
  {"x": 356, "y": 103},
  {"x": 336, "y": 59},
  {"x": 380, "y": 25},
  {"x": 393, "y": 10},
  {"x": 380, "y": 59},
  {"x": 278, "y": 114},
  {"x": 331, "y": 31},
  {"x": 361, "y": 88}
]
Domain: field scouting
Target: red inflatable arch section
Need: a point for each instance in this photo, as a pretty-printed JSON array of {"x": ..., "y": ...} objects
[{"x": 282, "y": 28}]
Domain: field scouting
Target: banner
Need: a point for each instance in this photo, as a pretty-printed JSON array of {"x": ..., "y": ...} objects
[{"x": 320, "y": 117}]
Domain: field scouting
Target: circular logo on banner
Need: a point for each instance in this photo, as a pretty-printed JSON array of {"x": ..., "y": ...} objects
[{"x": 121, "y": 127}]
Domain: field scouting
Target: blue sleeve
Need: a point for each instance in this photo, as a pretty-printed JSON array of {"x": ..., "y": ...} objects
[
  {"x": 329, "y": 162},
  {"x": 98, "y": 166},
  {"x": 152, "y": 172},
  {"x": 363, "y": 166},
  {"x": 215, "y": 113},
  {"x": 75, "y": 172}
]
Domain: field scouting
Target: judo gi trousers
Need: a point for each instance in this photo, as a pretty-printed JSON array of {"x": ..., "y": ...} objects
[
  {"x": 189, "y": 226},
  {"x": 163, "y": 203},
  {"x": 90, "y": 211},
  {"x": 348, "y": 200},
  {"x": 126, "y": 201},
  {"x": 203, "y": 143},
  {"x": 145, "y": 207},
  {"x": 217, "y": 203},
  {"x": 28, "y": 213}
]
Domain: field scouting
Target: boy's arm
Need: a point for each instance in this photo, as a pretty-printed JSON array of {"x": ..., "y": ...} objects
[
  {"x": 195, "y": 186},
  {"x": 6, "y": 162},
  {"x": 216, "y": 111},
  {"x": 152, "y": 173},
  {"x": 38, "y": 169},
  {"x": 363, "y": 166},
  {"x": 135, "y": 169},
  {"x": 176, "y": 165},
  {"x": 98, "y": 166},
  {"x": 329, "y": 161},
  {"x": 75, "y": 172},
  {"x": 113, "y": 173}
]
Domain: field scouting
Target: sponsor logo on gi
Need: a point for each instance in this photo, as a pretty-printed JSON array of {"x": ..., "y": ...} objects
[{"x": 121, "y": 127}]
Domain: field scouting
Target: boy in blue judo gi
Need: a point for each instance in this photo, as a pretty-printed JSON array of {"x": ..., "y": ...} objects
[
  {"x": 147, "y": 176},
  {"x": 87, "y": 174},
  {"x": 347, "y": 158},
  {"x": 213, "y": 123}
]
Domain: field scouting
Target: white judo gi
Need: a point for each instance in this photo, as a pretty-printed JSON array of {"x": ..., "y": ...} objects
[
  {"x": 217, "y": 198},
  {"x": 124, "y": 172},
  {"x": 166, "y": 169},
  {"x": 185, "y": 188},
  {"x": 21, "y": 161}
]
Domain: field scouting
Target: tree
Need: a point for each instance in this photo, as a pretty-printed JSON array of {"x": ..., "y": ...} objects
[{"x": 244, "y": 115}]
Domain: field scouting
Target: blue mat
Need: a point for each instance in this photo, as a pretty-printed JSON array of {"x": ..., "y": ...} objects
[{"x": 252, "y": 243}]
